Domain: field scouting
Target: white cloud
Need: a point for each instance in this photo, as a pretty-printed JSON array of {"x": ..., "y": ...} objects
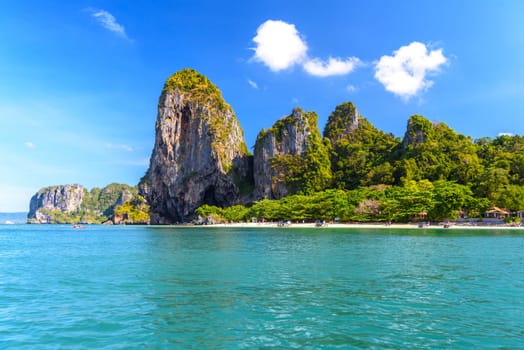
[
  {"x": 405, "y": 73},
  {"x": 29, "y": 144},
  {"x": 108, "y": 21},
  {"x": 279, "y": 45},
  {"x": 334, "y": 66},
  {"x": 252, "y": 83}
]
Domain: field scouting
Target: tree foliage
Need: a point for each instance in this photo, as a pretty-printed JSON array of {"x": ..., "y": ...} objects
[
  {"x": 305, "y": 172},
  {"x": 359, "y": 151},
  {"x": 434, "y": 173},
  {"x": 414, "y": 201}
]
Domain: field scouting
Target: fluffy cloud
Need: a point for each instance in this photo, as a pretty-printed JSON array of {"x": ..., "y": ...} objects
[
  {"x": 279, "y": 45},
  {"x": 405, "y": 73},
  {"x": 29, "y": 144},
  {"x": 108, "y": 21},
  {"x": 334, "y": 66},
  {"x": 252, "y": 83}
]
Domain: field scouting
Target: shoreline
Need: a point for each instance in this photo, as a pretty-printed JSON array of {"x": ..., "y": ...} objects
[
  {"x": 376, "y": 225},
  {"x": 362, "y": 226}
]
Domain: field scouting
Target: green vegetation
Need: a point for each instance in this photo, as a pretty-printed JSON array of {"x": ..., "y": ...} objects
[
  {"x": 202, "y": 91},
  {"x": 301, "y": 173},
  {"x": 360, "y": 153},
  {"x": 200, "y": 87},
  {"x": 434, "y": 151},
  {"x": 101, "y": 205},
  {"x": 134, "y": 211},
  {"x": 432, "y": 174},
  {"x": 59, "y": 217},
  {"x": 415, "y": 201}
]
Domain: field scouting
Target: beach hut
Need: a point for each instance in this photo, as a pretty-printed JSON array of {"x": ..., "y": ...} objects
[{"x": 496, "y": 213}]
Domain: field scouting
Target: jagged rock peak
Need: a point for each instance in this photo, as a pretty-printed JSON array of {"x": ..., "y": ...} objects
[
  {"x": 65, "y": 198},
  {"x": 342, "y": 122},
  {"x": 345, "y": 126},
  {"x": 418, "y": 130},
  {"x": 199, "y": 156},
  {"x": 280, "y": 153}
]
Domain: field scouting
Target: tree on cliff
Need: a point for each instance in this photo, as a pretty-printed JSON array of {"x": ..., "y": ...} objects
[{"x": 291, "y": 157}]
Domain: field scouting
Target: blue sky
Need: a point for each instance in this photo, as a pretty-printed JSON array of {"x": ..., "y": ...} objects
[{"x": 80, "y": 80}]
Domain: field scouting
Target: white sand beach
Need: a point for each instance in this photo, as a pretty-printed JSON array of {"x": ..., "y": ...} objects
[{"x": 367, "y": 225}]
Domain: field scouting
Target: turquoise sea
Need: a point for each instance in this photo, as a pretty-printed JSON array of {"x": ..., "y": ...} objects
[{"x": 224, "y": 288}]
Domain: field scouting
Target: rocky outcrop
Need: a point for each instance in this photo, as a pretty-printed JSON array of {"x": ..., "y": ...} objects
[
  {"x": 199, "y": 155},
  {"x": 65, "y": 198},
  {"x": 417, "y": 132},
  {"x": 283, "y": 154},
  {"x": 359, "y": 151},
  {"x": 342, "y": 123},
  {"x": 346, "y": 125},
  {"x": 67, "y": 204}
]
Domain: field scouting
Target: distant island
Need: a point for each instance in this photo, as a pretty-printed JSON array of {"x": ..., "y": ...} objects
[
  {"x": 66, "y": 204},
  {"x": 201, "y": 170}
]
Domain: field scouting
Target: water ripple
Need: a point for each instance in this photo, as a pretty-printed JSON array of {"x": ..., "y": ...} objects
[{"x": 156, "y": 288}]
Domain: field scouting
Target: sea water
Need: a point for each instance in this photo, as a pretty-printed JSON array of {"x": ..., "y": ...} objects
[{"x": 240, "y": 288}]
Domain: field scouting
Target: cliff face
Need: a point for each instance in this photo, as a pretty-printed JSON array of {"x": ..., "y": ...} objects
[
  {"x": 66, "y": 199},
  {"x": 67, "y": 204},
  {"x": 283, "y": 157},
  {"x": 199, "y": 155}
]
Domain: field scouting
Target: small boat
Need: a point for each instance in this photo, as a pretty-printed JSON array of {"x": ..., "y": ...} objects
[
  {"x": 78, "y": 226},
  {"x": 284, "y": 224},
  {"x": 321, "y": 223}
]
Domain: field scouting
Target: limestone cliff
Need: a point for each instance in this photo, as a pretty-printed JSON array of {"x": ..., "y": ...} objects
[
  {"x": 290, "y": 157},
  {"x": 74, "y": 203},
  {"x": 65, "y": 198},
  {"x": 199, "y": 156}
]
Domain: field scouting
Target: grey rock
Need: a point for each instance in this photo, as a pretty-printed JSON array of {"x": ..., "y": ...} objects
[
  {"x": 199, "y": 155},
  {"x": 65, "y": 198},
  {"x": 288, "y": 136}
]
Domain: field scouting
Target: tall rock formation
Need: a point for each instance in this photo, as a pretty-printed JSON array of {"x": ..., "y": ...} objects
[
  {"x": 64, "y": 198},
  {"x": 199, "y": 155},
  {"x": 290, "y": 157},
  {"x": 359, "y": 151}
]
